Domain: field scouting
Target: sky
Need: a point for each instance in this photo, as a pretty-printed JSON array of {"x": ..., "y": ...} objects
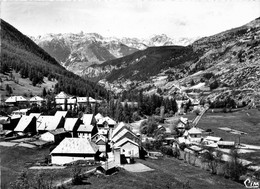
[{"x": 129, "y": 18}]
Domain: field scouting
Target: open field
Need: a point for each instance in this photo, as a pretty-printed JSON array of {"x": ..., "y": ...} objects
[
  {"x": 16, "y": 159},
  {"x": 24, "y": 86},
  {"x": 168, "y": 173},
  {"x": 247, "y": 121}
]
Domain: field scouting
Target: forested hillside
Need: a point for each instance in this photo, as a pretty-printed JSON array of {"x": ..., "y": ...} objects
[{"x": 20, "y": 53}]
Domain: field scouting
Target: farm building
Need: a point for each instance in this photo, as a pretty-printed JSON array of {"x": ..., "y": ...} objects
[
  {"x": 73, "y": 149},
  {"x": 16, "y": 100},
  {"x": 87, "y": 131},
  {"x": 27, "y": 124},
  {"x": 71, "y": 125},
  {"x": 128, "y": 147},
  {"x": 55, "y": 136},
  {"x": 36, "y": 100}
]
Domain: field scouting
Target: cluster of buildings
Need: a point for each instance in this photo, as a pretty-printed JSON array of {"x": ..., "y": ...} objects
[
  {"x": 90, "y": 137},
  {"x": 62, "y": 100}
]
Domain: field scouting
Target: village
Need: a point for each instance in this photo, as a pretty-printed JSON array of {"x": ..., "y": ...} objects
[{"x": 97, "y": 139}]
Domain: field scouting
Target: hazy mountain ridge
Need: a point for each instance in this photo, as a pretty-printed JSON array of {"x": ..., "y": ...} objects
[
  {"x": 230, "y": 57},
  {"x": 76, "y": 52}
]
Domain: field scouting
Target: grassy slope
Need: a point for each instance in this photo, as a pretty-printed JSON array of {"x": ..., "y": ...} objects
[
  {"x": 168, "y": 173},
  {"x": 24, "y": 86},
  {"x": 14, "y": 159},
  {"x": 247, "y": 121}
]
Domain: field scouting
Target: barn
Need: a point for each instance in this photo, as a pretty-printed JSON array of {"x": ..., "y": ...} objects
[{"x": 73, "y": 149}]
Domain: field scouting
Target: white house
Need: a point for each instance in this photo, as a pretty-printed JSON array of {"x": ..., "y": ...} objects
[
  {"x": 36, "y": 100},
  {"x": 128, "y": 147},
  {"x": 102, "y": 143},
  {"x": 195, "y": 135},
  {"x": 73, "y": 149},
  {"x": 55, "y": 136},
  {"x": 16, "y": 100},
  {"x": 61, "y": 99},
  {"x": 87, "y": 131}
]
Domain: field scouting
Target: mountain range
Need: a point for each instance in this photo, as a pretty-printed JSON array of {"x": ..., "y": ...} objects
[
  {"x": 76, "y": 52},
  {"x": 225, "y": 64}
]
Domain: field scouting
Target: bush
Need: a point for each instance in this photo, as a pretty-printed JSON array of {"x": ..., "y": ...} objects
[
  {"x": 76, "y": 177},
  {"x": 167, "y": 150}
]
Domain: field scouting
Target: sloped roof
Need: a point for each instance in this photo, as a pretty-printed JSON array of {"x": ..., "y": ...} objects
[
  {"x": 101, "y": 138},
  {"x": 123, "y": 141},
  {"x": 37, "y": 115},
  {"x": 87, "y": 118},
  {"x": 213, "y": 138},
  {"x": 120, "y": 126},
  {"x": 48, "y": 123},
  {"x": 58, "y": 131},
  {"x": 23, "y": 123},
  {"x": 91, "y": 100},
  {"x": 194, "y": 130},
  {"x": 121, "y": 134},
  {"x": 36, "y": 99},
  {"x": 59, "y": 114},
  {"x": 85, "y": 128},
  {"x": 107, "y": 119},
  {"x": 13, "y": 99},
  {"x": 98, "y": 116},
  {"x": 103, "y": 131},
  {"x": 184, "y": 120},
  {"x": 62, "y": 95},
  {"x": 70, "y": 123},
  {"x": 76, "y": 146}
]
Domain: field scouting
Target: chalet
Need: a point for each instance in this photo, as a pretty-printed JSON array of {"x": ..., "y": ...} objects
[
  {"x": 106, "y": 122},
  {"x": 19, "y": 113},
  {"x": 55, "y": 136},
  {"x": 16, "y": 100},
  {"x": 71, "y": 103},
  {"x": 73, "y": 149},
  {"x": 125, "y": 133},
  {"x": 183, "y": 122},
  {"x": 26, "y": 125},
  {"x": 102, "y": 143},
  {"x": 84, "y": 101},
  {"x": 87, "y": 131},
  {"x": 61, "y": 99},
  {"x": 120, "y": 126},
  {"x": 128, "y": 148},
  {"x": 71, "y": 125},
  {"x": 36, "y": 100},
  {"x": 195, "y": 135}
]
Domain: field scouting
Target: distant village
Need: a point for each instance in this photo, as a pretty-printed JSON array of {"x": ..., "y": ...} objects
[{"x": 97, "y": 138}]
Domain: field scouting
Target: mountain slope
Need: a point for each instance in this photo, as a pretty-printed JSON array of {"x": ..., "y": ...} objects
[
  {"x": 229, "y": 60},
  {"x": 21, "y": 54}
]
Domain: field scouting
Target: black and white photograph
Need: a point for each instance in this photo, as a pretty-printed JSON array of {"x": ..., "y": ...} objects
[{"x": 132, "y": 94}]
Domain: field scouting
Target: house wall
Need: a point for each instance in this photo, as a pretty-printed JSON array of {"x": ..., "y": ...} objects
[
  {"x": 84, "y": 135},
  {"x": 47, "y": 137},
  {"x": 102, "y": 147},
  {"x": 129, "y": 149},
  {"x": 60, "y": 160}
]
